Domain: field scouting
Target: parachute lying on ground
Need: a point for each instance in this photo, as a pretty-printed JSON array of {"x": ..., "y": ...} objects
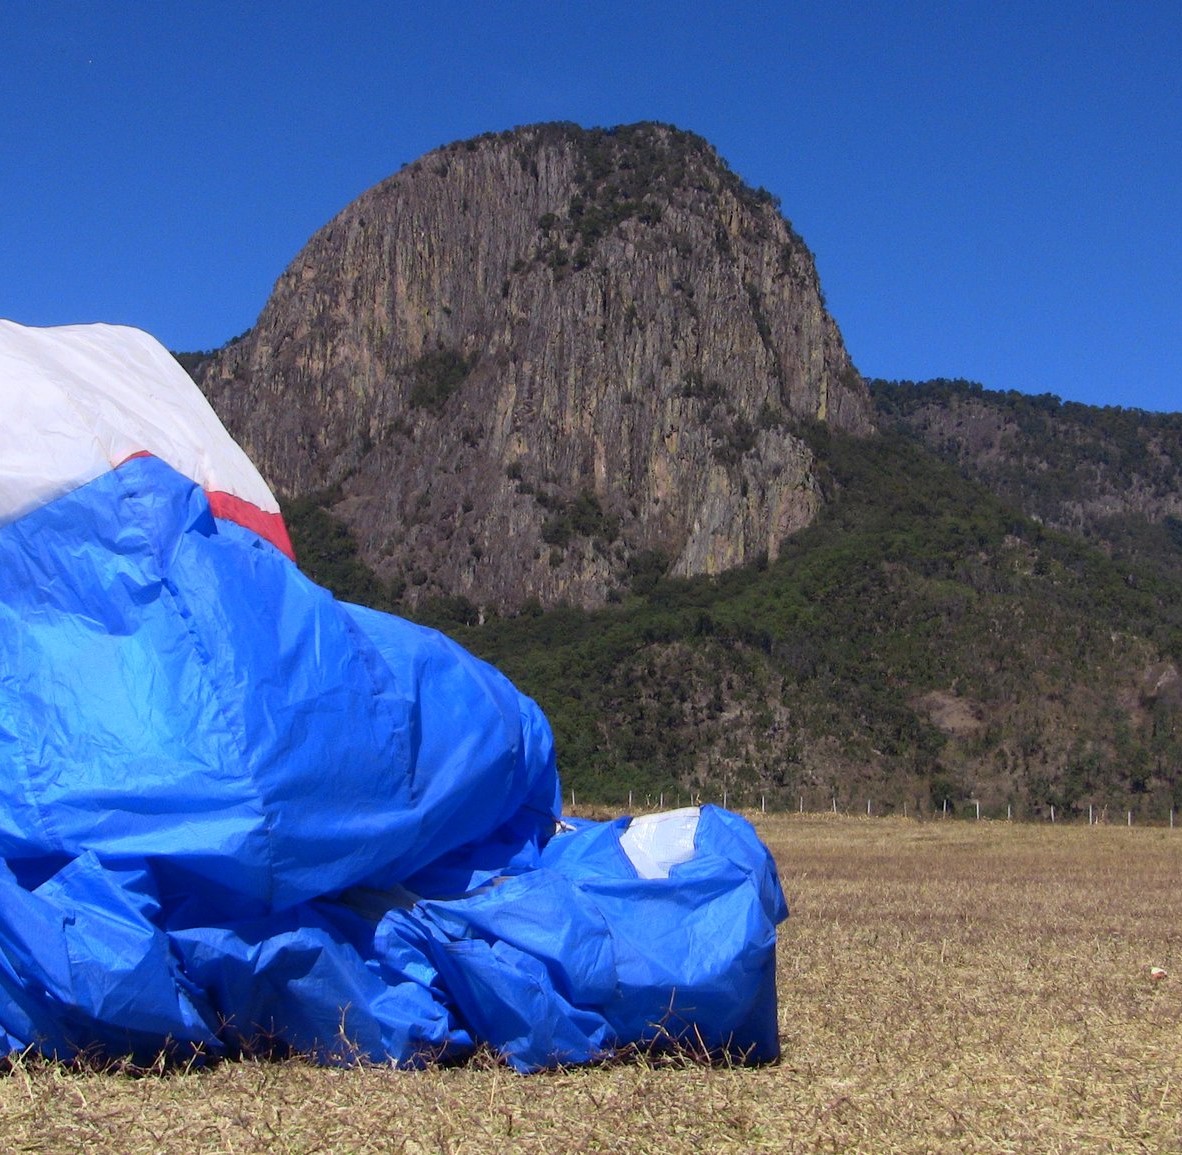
[{"x": 236, "y": 813}]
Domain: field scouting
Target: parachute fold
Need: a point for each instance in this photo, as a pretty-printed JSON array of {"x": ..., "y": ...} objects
[{"x": 238, "y": 813}]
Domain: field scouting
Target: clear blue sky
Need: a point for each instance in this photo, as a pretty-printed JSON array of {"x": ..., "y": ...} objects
[{"x": 993, "y": 190}]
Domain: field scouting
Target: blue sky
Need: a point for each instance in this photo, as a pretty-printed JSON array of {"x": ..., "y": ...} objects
[{"x": 993, "y": 190}]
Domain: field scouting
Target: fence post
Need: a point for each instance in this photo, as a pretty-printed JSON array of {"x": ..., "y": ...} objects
[
  {"x": 978, "y": 810},
  {"x": 1130, "y": 818}
]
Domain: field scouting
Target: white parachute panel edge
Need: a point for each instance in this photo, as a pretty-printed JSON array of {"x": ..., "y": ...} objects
[{"x": 78, "y": 400}]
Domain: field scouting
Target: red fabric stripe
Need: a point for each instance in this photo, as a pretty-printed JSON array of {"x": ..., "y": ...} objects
[
  {"x": 230, "y": 508},
  {"x": 267, "y": 525}
]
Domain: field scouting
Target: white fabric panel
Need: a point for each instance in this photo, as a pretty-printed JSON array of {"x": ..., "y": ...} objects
[
  {"x": 657, "y": 842},
  {"x": 77, "y": 400}
]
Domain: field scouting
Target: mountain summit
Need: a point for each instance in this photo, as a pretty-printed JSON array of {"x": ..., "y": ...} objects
[
  {"x": 550, "y": 366},
  {"x": 531, "y": 364}
]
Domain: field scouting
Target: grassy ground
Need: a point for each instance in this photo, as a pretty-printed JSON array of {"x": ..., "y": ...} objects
[{"x": 948, "y": 986}]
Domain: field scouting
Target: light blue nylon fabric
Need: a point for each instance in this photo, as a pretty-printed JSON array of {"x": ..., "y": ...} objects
[{"x": 218, "y": 785}]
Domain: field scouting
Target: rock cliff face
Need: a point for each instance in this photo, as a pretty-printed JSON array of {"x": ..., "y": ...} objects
[{"x": 528, "y": 363}]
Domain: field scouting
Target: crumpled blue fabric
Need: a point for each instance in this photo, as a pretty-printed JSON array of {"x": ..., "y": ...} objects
[{"x": 238, "y": 813}]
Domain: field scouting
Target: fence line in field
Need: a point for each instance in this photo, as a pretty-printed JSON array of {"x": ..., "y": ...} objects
[{"x": 969, "y": 810}]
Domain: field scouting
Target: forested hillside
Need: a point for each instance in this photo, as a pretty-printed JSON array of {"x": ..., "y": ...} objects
[
  {"x": 1111, "y": 475},
  {"x": 575, "y": 396},
  {"x": 923, "y": 643}
]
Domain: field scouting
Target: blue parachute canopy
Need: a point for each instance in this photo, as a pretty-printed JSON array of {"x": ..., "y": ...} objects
[{"x": 237, "y": 813}]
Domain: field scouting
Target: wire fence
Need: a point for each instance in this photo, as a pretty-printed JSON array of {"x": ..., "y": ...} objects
[{"x": 1145, "y": 812}]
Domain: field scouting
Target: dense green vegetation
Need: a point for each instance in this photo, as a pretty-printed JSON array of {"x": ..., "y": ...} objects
[
  {"x": 813, "y": 676},
  {"x": 436, "y": 375},
  {"x": 1052, "y": 458},
  {"x": 328, "y": 553}
]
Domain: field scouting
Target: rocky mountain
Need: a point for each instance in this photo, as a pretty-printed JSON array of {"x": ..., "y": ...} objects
[
  {"x": 530, "y": 364},
  {"x": 1102, "y": 473},
  {"x": 574, "y": 396},
  {"x": 921, "y": 644}
]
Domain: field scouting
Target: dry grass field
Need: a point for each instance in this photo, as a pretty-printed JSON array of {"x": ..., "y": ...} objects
[{"x": 944, "y": 986}]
